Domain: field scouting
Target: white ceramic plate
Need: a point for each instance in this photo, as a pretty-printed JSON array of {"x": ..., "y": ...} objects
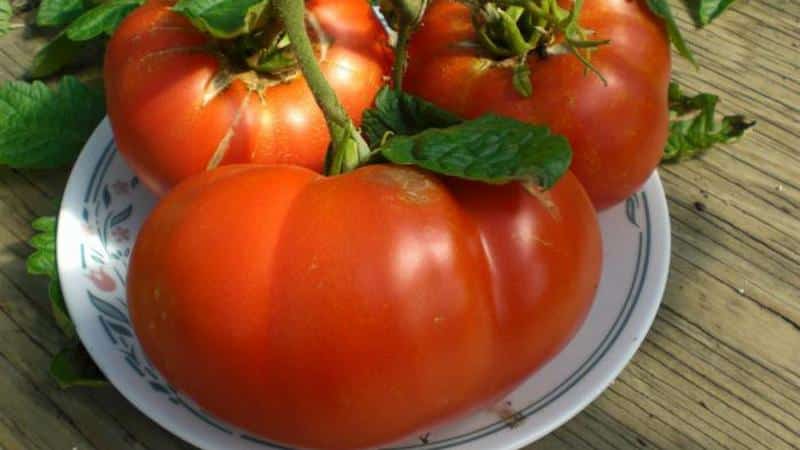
[{"x": 104, "y": 206}]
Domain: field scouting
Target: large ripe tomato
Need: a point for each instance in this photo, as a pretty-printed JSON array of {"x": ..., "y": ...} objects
[
  {"x": 617, "y": 132},
  {"x": 348, "y": 311},
  {"x": 162, "y": 77}
]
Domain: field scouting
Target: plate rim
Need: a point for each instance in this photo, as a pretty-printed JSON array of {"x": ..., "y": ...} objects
[{"x": 655, "y": 276}]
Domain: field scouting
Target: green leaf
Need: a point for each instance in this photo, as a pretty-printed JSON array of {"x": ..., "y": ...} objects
[
  {"x": 73, "y": 367},
  {"x": 661, "y": 9},
  {"x": 5, "y": 16},
  {"x": 409, "y": 130},
  {"x": 708, "y": 10},
  {"x": 398, "y": 113},
  {"x": 44, "y": 128},
  {"x": 102, "y": 19},
  {"x": 44, "y": 241},
  {"x": 689, "y": 138},
  {"x": 223, "y": 19},
  {"x": 490, "y": 149},
  {"x": 59, "y": 308},
  {"x": 60, "y": 12},
  {"x": 43, "y": 262},
  {"x": 54, "y": 56},
  {"x": 45, "y": 224}
]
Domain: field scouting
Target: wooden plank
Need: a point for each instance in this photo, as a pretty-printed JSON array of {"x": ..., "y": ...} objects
[
  {"x": 30, "y": 417},
  {"x": 721, "y": 367},
  {"x": 30, "y": 338},
  {"x": 737, "y": 353},
  {"x": 8, "y": 436},
  {"x": 16, "y": 53},
  {"x": 593, "y": 428}
]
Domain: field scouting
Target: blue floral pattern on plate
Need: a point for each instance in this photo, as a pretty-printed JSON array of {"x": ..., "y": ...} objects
[{"x": 105, "y": 205}]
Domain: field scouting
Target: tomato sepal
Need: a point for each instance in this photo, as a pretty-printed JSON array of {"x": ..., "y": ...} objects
[{"x": 512, "y": 30}]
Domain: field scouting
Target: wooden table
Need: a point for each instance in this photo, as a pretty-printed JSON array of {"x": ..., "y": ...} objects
[{"x": 719, "y": 369}]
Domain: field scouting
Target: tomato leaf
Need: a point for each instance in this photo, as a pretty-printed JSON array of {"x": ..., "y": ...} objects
[
  {"x": 408, "y": 130},
  {"x": 490, "y": 149},
  {"x": 661, "y": 9},
  {"x": 73, "y": 367},
  {"x": 54, "y": 56},
  {"x": 60, "y": 12},
  {"x": 398, "y": 113},
  {"x": 59, "y": 308},
  {"x": 43, "y": 262},
  {"x": 223, "y": 19},
  {"x": 708, "y": 10},
  {"x": 102, "y": 19},
  {"x": 689, "y": 138},
  {"x": 5, "y": 16},
  {"x": 43, "y": 128}
]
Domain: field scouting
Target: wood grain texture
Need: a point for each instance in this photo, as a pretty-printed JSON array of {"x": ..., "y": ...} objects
[{"x": 719, "y": 369}]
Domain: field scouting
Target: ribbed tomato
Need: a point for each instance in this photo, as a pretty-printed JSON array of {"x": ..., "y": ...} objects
[{"x": 348, "y": 311}]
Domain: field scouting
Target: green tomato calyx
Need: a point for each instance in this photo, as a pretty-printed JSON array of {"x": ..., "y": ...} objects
[{"x": 512, "y": 30}]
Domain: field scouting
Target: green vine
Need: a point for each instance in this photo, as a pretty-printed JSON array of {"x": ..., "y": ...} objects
[{"x": 350, "y": 150}]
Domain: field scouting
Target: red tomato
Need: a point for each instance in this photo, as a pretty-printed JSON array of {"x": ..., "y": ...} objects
[
  {"x": 349, "y": 311},
  {"x": 617, "y": 132},
  {"x": 169, "y": 122}
]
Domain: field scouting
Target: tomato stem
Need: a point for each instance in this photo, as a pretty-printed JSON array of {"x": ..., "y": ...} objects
[
  {"x": 400, "y": 59},
  {"x": 348, "y": 146},
  {"x": 406, "y": 15},
  {"x": 293, "y": 13}
]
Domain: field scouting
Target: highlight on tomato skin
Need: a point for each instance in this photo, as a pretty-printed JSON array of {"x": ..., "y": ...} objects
[
  {"x": 178, "y": 104},
  {"x": 350, "y": 311},
  {"x": 617, "y": 125}
]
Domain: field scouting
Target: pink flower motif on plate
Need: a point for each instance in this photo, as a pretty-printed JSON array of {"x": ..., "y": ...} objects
[
  {"x": 102, "y": 280},
  {"x": 121, "y": 187},
  {"x": 121, "y": 234}
]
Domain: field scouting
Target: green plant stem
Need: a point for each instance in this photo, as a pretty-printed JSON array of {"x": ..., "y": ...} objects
[
  {"x": 349, "y": 148},
  {"x": 401, "y": 56},
  {"x": 409, "y": 15},
  {"x": 293, "y": 13}
]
